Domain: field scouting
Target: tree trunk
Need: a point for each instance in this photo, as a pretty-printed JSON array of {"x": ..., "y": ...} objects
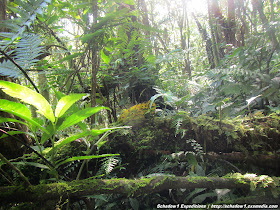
[
  {"x": 94, "y": 60},
  {"x": 209, "y": 45},
  {"x": 3, "y": 14},
  {"x": 269, "y": 30}
]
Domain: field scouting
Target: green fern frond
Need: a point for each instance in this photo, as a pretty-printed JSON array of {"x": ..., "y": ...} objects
[
  {"x": 27, "y": 50},
  {"x": 7, "y": 68},
  {"x": 109, "y": 164},
  {"x": 27, "y": 12},
  {"x": 196, "y": 146},
  {"x": 24, "y": 53},
  {"x": 176, "y": 123}
]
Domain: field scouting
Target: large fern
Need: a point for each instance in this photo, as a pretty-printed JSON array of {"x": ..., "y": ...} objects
[
  {"x": 24, "y": 53},
  {"x": 19, "y": 48},
  {"x": 27, "y": 12}
]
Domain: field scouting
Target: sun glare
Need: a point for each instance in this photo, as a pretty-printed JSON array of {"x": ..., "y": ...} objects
[
  {"x": 192, "y": 6},
  {"x": 198, "y": 6}
]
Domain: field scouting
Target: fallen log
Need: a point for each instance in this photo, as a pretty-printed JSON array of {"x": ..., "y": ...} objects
[{"x": 130, "y": 187}]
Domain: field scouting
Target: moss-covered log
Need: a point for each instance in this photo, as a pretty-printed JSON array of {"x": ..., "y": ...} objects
[{"x": 129, "y": 187}]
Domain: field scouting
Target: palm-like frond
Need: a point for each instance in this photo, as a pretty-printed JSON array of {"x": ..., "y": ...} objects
[
  {"x": 27, "y": 51},
  {"x": 7, "y": 68},
  {"x": 23, "y": 51},
  {"x": 25, "y": 54}
]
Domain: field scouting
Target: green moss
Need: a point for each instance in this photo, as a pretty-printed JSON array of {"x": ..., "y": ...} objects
[
  {"x": 255, "y": 181},
  {"x": 136, "y": 114}
]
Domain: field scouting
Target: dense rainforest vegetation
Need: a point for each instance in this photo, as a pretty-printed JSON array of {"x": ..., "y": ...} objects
[{"x": 139, "y": 104}]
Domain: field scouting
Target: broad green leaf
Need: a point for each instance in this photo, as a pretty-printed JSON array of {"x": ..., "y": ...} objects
[
  {"x": 84, "y": 158},
  {"x": 70, "y": 57},
  {"x": 134, "y": 203},
  {"x": 155, "y": 97},
  {"x": 30, "y": 97},
  {"x": 58, "y": 94},
  {"x": 19, "y": 110},
  {"x": 14, "y": 107},
  {"x": 68, "y": 140},
  {"x": 2, "y": 120},
  {"x": 236, "y": 51},
  {"x": 79, "y": 116},
  {"x": 52, "y": 19},
  {"x": 11, "y": 133},
  {"x": 102, "y": 140},
  {"x": 130, "y": 2},
  {"x": 105, "y": 58},
  {"x": 96, "y": 132},
  {"x": 46, "y": 136},
  {"x": 66, "y": 102},
  {"x": 100, "y": 197},
  {"x": 38, "y": 165},
  {"x": 93, "y": 132},
  {"x": 200, "y": 198},
  {"x": 92, "y": 35}
]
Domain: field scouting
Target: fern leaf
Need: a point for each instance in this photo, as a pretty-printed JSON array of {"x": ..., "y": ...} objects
[
  {"x": 7, "y": 68},
  {"x": 109, "y": 164}
]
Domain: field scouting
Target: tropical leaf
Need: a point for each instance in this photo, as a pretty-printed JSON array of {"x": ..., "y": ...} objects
[
  {"x": 30, "y": 97},
  {"x": 27, "y": 50},
  {"x": 15, "y": 108},
  {"x": 11, "y": 133},
  {"x": 2, "y": 120},
  {"x": 70, "y": 57},
  {"x": 84, "y": 158},
  {"x": 38, "y": 165},
  {"x": 79, "y": 116},
  {"x": 93, "y": 132},
  {"x": 87, "y": 37},
  {"x": 19, "y": 110},
  {"x": 105, "y": 58},
  {"x": 66, "y": 102},
  {"x": 68, "y": 140}
]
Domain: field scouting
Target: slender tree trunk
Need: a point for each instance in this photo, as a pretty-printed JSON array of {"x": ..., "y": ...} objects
[
  {"x": 3, "y": 13},
  {"x": 208, "y": 41},
  {"x": 231, "y": 25},
  {"x": 94, "y": 62},
  {"x": 216, "y": 23},
  {"x": 269, "y": 30},
  {"x": 243, "y": 29},
  {"x": 183, "y": 25},
  {"x": 9, "y": 147},
  {"x": 43, "y": 84}
]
